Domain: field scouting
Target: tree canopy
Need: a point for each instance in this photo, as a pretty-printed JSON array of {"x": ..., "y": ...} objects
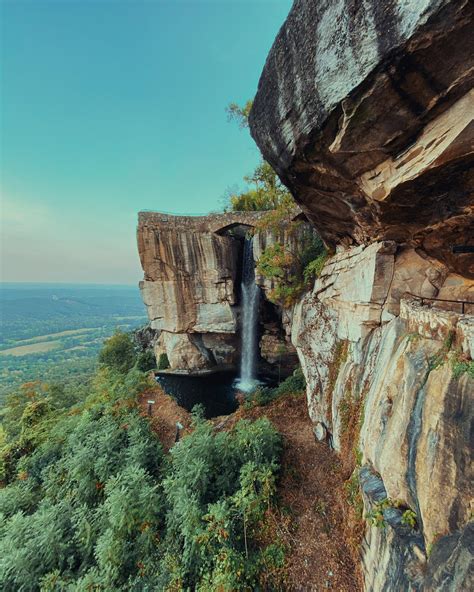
[
  {"x": 264, "y": 190},
  {"x": 118, "y": 352}
]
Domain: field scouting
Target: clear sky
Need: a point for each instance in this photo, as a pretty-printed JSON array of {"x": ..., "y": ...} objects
[{"x": 110, "y": 107}]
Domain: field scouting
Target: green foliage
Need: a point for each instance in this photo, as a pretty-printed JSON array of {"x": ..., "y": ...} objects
[
  {"x": 118, "y": 352},
  {"x": 314, "y": 267},
  {"x": 352, "y": 487},
  {"x": 375, "y": 515},
  {"x": 413, "y": 337},
  {"x": 293, "y": 385},
  {"x": 240, "y": 114},
  {"x": 285, "y": 262},
  {"x": 59, "y": 338},
  {"x": 91, "y": 503},
  {"x": 146, "y": 361},
  {"x": 354, "y": 497},
  {"x": 218, "y": 490},
  {"x": 461, "y": 366},
  {"x": 163, "y": 362},
  {"x": 264, "y": 188},
  {"x": 274, "y": 262},
  {"x": 85, "y": 505},
  {"x": 442, "y": 354},
  {"x": 265, "y": 192},
  {"x": 409, "y": 518}
]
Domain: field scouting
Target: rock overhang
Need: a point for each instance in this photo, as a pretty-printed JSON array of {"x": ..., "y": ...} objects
[{"x": 365, "y": 111}]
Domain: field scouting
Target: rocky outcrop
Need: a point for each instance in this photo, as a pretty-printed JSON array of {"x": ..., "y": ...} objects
[
  {"x": 385, "y": 378},
  {"x": 365, "y": 110},
  {"x": 191, "y": 288}
]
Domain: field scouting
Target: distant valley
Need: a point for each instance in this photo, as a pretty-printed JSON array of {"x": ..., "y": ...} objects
[{"x": 52, "y": 332}]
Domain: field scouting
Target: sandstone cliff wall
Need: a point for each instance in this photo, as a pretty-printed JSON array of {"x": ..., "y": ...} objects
[
  {"x": 365, "y": 111},
  {"x": 191, "y": 288},
  {"x": 384, "y": 390}
]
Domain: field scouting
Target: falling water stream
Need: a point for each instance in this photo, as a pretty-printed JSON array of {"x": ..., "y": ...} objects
[
  {"x": 217, "y": 392},
  {"x": 250, "y": 304}
]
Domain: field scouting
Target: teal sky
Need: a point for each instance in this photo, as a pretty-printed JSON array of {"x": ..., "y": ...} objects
[{"x": 111, "y": 107}]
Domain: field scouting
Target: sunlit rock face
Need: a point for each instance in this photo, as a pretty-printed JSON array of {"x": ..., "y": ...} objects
[
  {"x": 365, "y": 111},
  {"x": 384, "y": 384},
  {"x": 190, "y": 287}
]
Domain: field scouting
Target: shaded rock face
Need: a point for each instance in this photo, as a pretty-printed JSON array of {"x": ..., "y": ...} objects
[
  {"x": 191, "y": 288},
  {"x": 365, "y": 111}
]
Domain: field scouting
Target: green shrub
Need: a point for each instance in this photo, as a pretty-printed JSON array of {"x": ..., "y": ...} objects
[
  {"x": 217, "y": 491},
  {"x": 94, "y": 504},
  {"x": 163, "y": 362},
  {"x": 293, "y": 385},
  {"x": 118, "y": 353},
  {"x": 460, "y": 366},
  {"x": 375, "y": 515},
  {"x": 409, "y": 518},
  {"x": 313, "y": 268},
  {"x": 292, "y": 269},
  {"x": 146, "y": 361}
]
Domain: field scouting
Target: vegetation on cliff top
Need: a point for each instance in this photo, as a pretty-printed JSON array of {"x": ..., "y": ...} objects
[
  {"x": 295, "y": 258},
  {"x": 265, "y": 190}
]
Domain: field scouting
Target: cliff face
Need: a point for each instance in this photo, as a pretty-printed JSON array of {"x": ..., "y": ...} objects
[
  {"x": 364, "y": 109},
  {"x": 384, "y": 392},
  {"x": 191, "y": 288}
]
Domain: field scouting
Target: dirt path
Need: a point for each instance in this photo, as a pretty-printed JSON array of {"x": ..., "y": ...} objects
[
  {"x": 311, "y": 498},
  {"x": 312, "y": 508},
  {"x": 165, "y": 414}
]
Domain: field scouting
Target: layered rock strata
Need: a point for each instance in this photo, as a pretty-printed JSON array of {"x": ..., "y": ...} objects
[
  {"x": 365, "y": 110},
  {"x": 394, "y": 367}
]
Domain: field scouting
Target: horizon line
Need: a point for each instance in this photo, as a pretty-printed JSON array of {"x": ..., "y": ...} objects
[{"x": 69, "y": 283}]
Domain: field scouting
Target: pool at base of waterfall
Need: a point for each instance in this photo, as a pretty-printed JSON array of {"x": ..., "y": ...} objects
[{"x": 216, "y": 392}]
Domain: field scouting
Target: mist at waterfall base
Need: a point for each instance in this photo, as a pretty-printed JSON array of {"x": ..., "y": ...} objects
[{"x": 250, "y": 305}]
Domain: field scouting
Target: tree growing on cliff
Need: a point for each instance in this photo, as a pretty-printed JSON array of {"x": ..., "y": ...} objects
[
  {"x": 265, "y": 190},
  {"x": 239, "y": 114}
]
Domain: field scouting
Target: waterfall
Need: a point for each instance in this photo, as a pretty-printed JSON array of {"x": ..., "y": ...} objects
[{"x": 250, "y": 304}]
